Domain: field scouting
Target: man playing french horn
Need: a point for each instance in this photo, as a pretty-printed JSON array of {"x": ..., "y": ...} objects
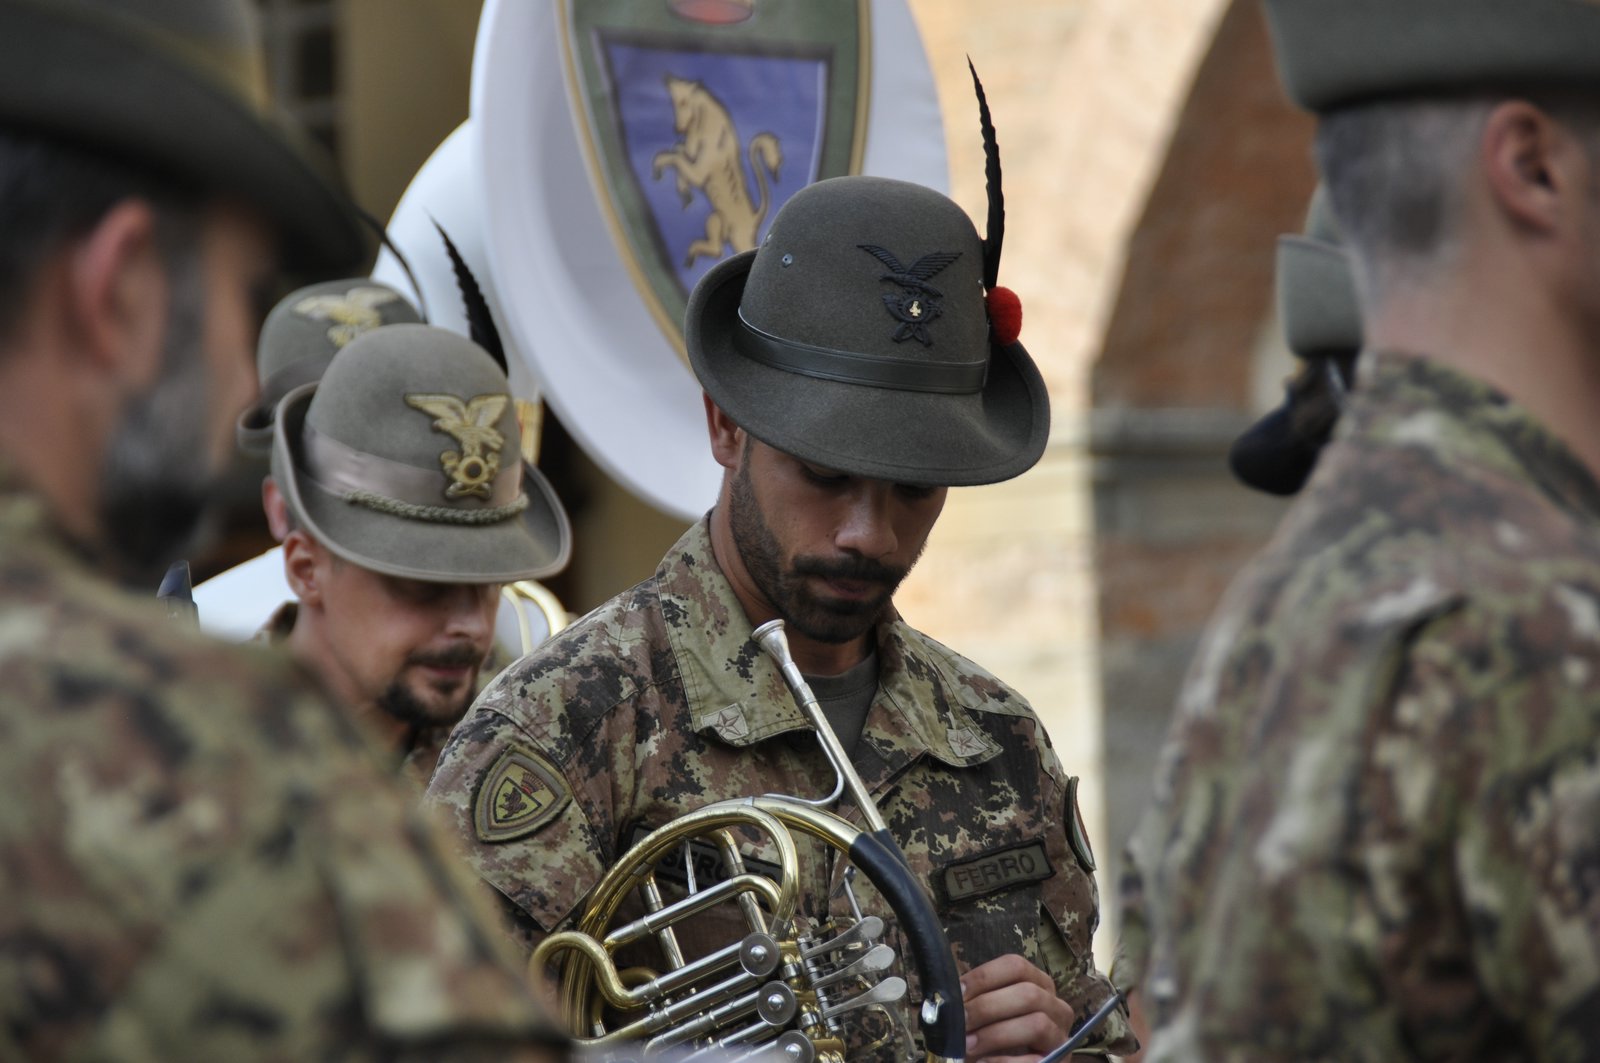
[{"x": 852, "y": 376}]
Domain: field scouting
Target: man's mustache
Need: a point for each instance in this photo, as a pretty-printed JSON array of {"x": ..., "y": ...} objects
[
  {"x": 461, "y": 655},
  {"x": 862, "y": 569}
]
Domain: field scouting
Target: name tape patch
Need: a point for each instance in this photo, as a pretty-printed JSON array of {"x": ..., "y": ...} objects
[
  {"x": 708, "y": 866},
  {"x": 520, "y": 794},
  {"x": 995, "y": 871}
]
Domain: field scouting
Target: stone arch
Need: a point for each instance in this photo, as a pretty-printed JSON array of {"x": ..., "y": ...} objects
[{"x": 1191, "y": 331}]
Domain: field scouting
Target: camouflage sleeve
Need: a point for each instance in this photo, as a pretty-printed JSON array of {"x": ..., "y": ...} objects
[
  {"x": 1479, "y": 835},
  {"x": 1071, "y": 903},
  {"x": 509, "y": 801},
  {"x": 228, "y": 883},
  {"x": 350, "y": 930},
  {"x": 1518, "y": 692},
  {"x": 1133, "y": 949}
]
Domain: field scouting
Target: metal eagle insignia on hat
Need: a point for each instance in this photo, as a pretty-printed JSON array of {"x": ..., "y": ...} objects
[
  {"x": 917, "y": 303},
  {"x": 473, "y": 468},
  {"x": 352, "y": 313}
]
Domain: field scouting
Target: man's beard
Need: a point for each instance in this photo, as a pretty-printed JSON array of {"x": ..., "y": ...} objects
[
  {"x": 403, "y": 704},
  {"x": 832, "y": 621},
  {"x": 157, "y": 474}
]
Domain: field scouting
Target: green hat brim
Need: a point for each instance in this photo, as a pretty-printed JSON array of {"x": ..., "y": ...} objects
[
  {"x": 535, "y": 543},
  {"x": 1333, "y": 53},
  {"x": 66, "y": 77},
  {"x": 880, "y": 433},
  {"x": 1317, "y": 300}
]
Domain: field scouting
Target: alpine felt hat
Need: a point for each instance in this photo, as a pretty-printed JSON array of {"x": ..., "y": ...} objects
[
  {"x": 1332, "y": 53},
  {"x": 857, "y": 338},
  {"x": 178, "y": 86},
  {"x": 404, "y": 459},
  {"x": 1317, "y": 300},
  {"x": 303, "y": 333},
  {"x": 1321, "y": 318}
]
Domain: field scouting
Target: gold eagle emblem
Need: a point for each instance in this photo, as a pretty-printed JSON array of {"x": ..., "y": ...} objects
[
  {"x": 352, "y": 313},
  {"x": 471, "y": 469}
]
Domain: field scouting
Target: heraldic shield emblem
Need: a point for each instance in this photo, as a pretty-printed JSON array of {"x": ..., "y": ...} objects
[{"x": 702, "y": 117}]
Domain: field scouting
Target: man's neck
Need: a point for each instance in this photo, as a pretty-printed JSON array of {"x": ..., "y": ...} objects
[{"x": 1512, "y": 339}]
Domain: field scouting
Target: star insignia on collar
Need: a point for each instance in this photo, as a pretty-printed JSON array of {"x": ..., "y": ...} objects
[
  {"x": 964, "y": 742},
  {"x": 730, "y": 724}
]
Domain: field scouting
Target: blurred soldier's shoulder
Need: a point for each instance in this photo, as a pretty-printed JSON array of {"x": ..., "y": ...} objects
[{"x": 203, "y": 857}]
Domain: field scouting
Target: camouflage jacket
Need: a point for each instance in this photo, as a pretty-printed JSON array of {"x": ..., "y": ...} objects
[
  {"x": 658, "y": 702},
  {"x": 199, "y": 860},
  {"x": 1376, "y": 824}
]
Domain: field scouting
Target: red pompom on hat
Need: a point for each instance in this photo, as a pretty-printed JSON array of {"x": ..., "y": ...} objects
[{"x": 1005, "y": 315}]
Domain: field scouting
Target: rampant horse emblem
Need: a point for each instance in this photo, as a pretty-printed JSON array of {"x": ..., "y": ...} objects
[
  {"x": 352, "y": 313},
  {"x": 708, "y": 159},
  {"x": 917, "y": 303},
  {"x": 473, "y": 468}
]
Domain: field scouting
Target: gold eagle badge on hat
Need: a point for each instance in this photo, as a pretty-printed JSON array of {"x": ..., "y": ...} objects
[
  {"x": 473, "y": 468},
  {"x": 352, "y": 313}
]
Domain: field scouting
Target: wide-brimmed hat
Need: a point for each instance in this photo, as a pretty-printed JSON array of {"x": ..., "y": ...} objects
[
  {"x": 1321, "y": 319},
  {"x": 303, "y": 333},
  {"x": 405, "y": 460},
  {"x": 1333, "y": 53},
  {"x": 177, "y": 86},
  {"x": 1317, "y": 300},
  {"x": 857, "y": 338}
]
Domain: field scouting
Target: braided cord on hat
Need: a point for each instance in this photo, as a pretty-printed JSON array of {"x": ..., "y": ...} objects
[{"x": 436, "y": 514}]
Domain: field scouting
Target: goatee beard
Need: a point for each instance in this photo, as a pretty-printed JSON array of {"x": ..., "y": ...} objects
[{"x": 829, "y": 621}]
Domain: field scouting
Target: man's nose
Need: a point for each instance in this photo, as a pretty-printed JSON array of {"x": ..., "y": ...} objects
[
  {"x": 867, "y": 525},
  {"x": 471, "y": 611}
]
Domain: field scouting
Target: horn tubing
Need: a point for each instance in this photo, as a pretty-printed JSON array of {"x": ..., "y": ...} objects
[
  {"x": 945, "y": 1036},
  {"x": 879, "y": 856},
  {"x": 772, "y": 639}
]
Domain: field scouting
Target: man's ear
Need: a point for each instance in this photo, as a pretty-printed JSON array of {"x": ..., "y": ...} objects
[
  {"x": 303, "y": 568},
  {"x": 118, "y": 291},
  {"x": 276, "y": 509},
  {"x": 727, "y": 438},
  {"x": 1529, "y": 161}
]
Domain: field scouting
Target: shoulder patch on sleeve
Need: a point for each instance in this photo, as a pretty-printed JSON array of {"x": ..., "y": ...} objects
[
  {"x": 1077, "y": 834},
  {"x": 520, "y": 794}
]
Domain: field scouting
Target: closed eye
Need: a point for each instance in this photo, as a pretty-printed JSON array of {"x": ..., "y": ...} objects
[{"x": 824, "y": 477}]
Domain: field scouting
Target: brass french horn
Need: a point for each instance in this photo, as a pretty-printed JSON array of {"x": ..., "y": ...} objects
[{"x": 783, "y": 991}]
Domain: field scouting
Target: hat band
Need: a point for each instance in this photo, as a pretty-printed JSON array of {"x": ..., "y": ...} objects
[
  {"x": 404, "y": 490},
  {"x": 899, "y": 374}
]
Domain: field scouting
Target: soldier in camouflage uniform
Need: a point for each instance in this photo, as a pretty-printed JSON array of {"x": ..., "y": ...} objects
[
  {"x": 1376, "y": 824},
  {"x": 201, "y": 860},
  {"x": 845, "y": 393},
  {"x": 409, "y": 506}
]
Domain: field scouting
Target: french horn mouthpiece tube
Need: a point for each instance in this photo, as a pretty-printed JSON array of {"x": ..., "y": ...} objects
[{"x": 771, "y": 638}]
